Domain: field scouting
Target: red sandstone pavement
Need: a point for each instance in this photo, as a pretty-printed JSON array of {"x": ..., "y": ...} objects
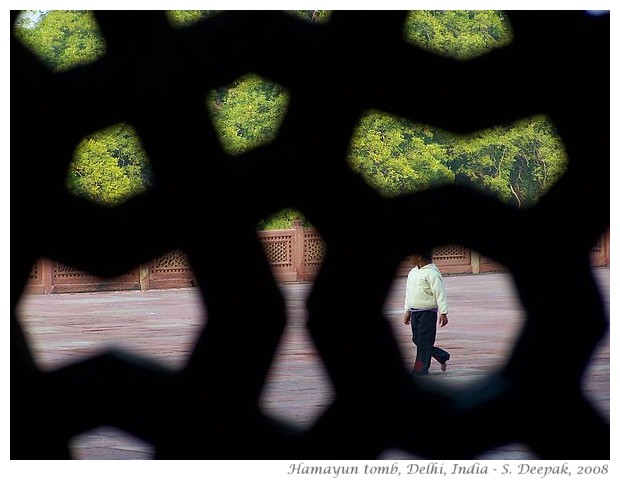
[{"x": 64, "y": 328}]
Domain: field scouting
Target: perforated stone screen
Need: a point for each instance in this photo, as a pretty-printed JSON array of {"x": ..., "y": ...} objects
[
  {"x": 156, "y": 77},
  {"x": 314, "y": 249},
  {"x": 279, "y": 250},
  {"x": 34, "y": 273},
  {"x": 451, "y": 252},
  {"x": 174, "y": 261}
]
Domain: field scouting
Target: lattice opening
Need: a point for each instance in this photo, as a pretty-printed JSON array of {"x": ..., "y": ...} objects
[
  {"x": 478, "y": 338},
  {"x": 313, "y": 16},
  {"x": 110, "y": 166},
  {"x": 297, "y": 369},
  {"x": 595, "y": 383},
  {"x": 516, "y": 163},
  {"x": 73, "y": 38},
  {"x": 186, "y": 18},
  {"x": 494, "y": 329},
  {"x": 281, "y": 220},
  {"x": 82, "y": 325},
  {"x": 108, "y": 443},
  {"x": 467, "y": 34},
  {"x": 512, "y": 451},
  {"x": 247, "y": 113}
]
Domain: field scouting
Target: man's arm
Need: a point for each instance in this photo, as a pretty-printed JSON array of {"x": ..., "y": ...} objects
[
  {"x": 436, "y": 283},
  {"x": 407, "y": 318}
]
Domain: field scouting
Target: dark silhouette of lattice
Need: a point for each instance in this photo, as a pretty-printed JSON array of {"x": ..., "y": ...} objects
[{"x": 156, "y": 78}]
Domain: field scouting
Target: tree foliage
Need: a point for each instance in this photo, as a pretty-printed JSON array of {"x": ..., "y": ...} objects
[
  {"x": 247, "y": 113},
  {"x": 460, "y": 34},
  {"x": 281, "y": 220},
  {"x": 63, "y": 38},
  {"x": 314, "y": 16},
  {"x": 516, "y": 163},
  {"x": 183, "y": 18},
  {"x": 109, "y": 166},
  {"x": 397, "y": 156}
]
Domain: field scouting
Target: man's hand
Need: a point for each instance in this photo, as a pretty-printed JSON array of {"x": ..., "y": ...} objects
[
  {"x": 443, "y": 320},
  {"x": 407, "y": 319}
]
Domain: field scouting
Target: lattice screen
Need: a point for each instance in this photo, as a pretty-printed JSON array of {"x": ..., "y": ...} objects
[
  {"x": 314, "y": 249},
  {"x": 450, "y": 252},
  {"x": 35, "y": 272},
  {"x": 278, "y": 250},
  {"x": 173, "y": 261},
  {"x": 66, "y": 271},
  {"x": 156, "y": 78}
]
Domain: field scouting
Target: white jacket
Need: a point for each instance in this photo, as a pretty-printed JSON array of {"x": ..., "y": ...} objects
[{"x": 425, "y": 289}]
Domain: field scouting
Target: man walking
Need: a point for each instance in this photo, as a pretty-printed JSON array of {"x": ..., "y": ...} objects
[{"x": 425, "y": 296}]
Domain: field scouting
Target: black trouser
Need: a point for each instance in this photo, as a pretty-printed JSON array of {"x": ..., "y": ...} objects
[{"x": 424, "y": 329}]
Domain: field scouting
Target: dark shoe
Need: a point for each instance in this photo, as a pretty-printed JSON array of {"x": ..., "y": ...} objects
[{"x": 444, "y": 366}]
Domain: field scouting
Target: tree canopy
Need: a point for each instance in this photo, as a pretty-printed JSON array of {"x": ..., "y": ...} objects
[
  {"x": 247, "y": 113},
  {"x": 460, "y": 34},
  {"x": 62, "y": 38},
  {"x": 110, "y": 166},
  {"x": 517, "y": 163}
]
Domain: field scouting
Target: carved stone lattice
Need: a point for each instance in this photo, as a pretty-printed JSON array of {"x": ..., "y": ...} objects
[
  {"x": 450, "y": 252},
  {"x": 155, "y": 77},
  {"x": 174, "y": 261},
  {"x": 35, "y": 272},
  {"x": 598, "y": 247},
  {"x": 278, "y": 251},
  {"x": 314, "y": 250},
  {"x": 61, "y": 270}
]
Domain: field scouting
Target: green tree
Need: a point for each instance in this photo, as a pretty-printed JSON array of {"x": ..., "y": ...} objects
[
  {"x": 247, "y": 113},
  {"x": 397, "y": 156},
  {"x": 109, "y": 166},
  {"x": 460, "y": 34},
  {"x": 314, "y": 16},
  {"x": 63, "y": 38},
  {"x": 516, "y": 163},
  {"x": 281, "y": 220},
  {"x": 183, "y": 18}
]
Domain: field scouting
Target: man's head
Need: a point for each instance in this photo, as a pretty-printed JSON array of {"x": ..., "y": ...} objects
[
  {"x": 427, "y": 255},
  {"x": 423, "y": 257}
]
